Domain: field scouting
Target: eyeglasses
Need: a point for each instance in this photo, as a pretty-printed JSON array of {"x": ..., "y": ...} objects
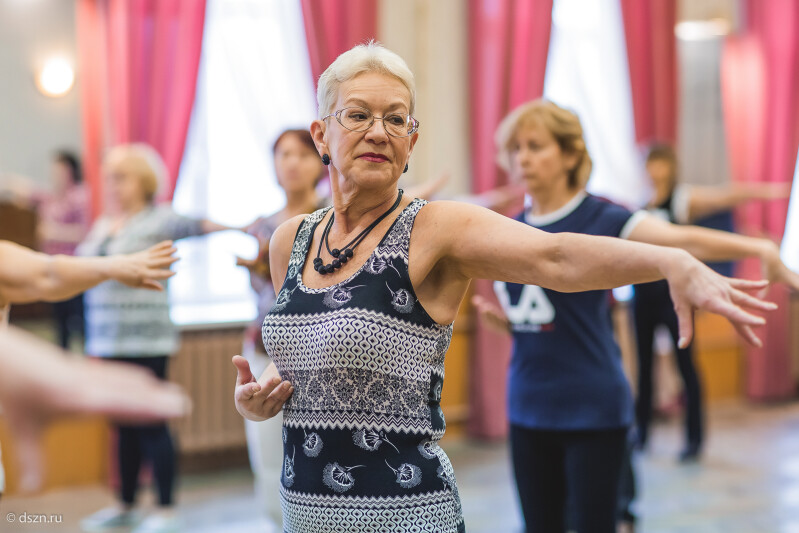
[{"x": 361, "y": 119}]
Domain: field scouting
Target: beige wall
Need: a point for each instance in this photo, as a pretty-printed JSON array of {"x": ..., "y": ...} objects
[
  {"x": 431, "y": 36},
  {"x": 32, "y": 125}
]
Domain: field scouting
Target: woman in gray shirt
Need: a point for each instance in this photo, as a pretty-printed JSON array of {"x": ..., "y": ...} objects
[{"x": 129, "y": 326}]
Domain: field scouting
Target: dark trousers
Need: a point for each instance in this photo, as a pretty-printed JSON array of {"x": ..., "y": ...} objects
[
  {"x": 627, "y": 484},
  {"x": 653, "y": 307},
  {"x": 568, "y": 480},
  {"x": 68, "y": 316},
  {"x": 151, "y": 443}
]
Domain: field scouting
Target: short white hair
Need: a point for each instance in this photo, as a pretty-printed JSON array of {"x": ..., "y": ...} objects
[
  {"x": 369, "y": 57},
  {"x": 142, "y": 160}
]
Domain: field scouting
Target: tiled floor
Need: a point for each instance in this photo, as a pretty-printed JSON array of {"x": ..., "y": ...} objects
[{"x": 748, "y": 482}]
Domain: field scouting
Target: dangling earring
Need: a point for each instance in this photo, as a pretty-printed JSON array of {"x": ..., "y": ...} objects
[
  {"x": 325, "y": 159},
  {"x": 406, "y": 168}
]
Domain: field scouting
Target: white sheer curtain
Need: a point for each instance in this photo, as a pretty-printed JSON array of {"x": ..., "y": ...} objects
[
  {"x": 587, "y": 72},
  {"x": 254, "y": 82},
  {"x": 790, "y": 240}
]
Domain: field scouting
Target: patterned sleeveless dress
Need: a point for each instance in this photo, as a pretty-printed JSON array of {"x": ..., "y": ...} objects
[{"x": 361, "y": 431}]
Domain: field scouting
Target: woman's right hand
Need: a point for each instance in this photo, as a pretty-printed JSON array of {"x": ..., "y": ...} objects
[
  {"x": 695, "y": 286},
  {"x": 260, "y": 399}
]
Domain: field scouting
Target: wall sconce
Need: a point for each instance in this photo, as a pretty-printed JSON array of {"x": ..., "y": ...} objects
[{"x": 55, "y": 78}]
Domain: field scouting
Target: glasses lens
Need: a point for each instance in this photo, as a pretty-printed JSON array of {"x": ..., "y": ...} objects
[
  {"x": 399, "y": 124},
  {"x": 356, "y": 118}
]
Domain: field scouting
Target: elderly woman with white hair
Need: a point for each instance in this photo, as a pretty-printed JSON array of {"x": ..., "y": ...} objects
[
  {"x": 134, "y": 326},
  {"x": 368, "y": 291}
]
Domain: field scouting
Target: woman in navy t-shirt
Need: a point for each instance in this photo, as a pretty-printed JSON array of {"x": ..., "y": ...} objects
[{"x": 569, "y": 404}]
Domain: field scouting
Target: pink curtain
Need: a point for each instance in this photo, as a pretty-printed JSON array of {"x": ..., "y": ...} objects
[
  {"x": 652, "y": 57},
  {"x": 139, "y": 61},
  {"x": 508, "y": 46},
  {"x": 334, "y": 26},
  {"x": 760, "y": 90}
]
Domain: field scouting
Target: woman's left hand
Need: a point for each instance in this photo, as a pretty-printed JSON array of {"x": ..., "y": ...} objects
[
  {"x": 144, "y": 269},
  {"x": 695, "y": 286}
]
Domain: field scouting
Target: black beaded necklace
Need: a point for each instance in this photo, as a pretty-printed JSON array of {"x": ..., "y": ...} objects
[{"x": 345, "y": 254}]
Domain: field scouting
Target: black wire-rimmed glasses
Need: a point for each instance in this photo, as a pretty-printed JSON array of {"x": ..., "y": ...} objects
[{"x": 361, "y": 119}]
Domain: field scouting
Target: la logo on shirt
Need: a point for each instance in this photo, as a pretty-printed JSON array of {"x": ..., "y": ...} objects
[{"x": 532, "y": 313}]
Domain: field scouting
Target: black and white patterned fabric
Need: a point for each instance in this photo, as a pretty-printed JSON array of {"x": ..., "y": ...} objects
[{"x": 361, "y": 431}]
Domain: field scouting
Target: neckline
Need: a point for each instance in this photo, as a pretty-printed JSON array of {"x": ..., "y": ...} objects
[
  {"x": 300, "y": 268},
  {"x": 559, "y": 214}
]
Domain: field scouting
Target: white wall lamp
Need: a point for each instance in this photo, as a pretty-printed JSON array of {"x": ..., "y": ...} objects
[{"x": 55, "y": 78}]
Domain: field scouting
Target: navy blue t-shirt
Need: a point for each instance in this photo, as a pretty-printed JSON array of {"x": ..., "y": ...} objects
[{"x": 565, "y": 371}]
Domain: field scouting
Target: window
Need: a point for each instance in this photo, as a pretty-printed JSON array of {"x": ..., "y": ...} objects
[
  {"x": 587, "y": 72},
  {"x": 790, "y": 240},
  {"x": 254, "y": 82}
]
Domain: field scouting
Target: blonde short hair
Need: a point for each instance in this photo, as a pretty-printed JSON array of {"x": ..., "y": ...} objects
[
  {"x": 142, "y": 160},
  {"x": 561, "y": 123},
  {"x": 369, "y": 57}
]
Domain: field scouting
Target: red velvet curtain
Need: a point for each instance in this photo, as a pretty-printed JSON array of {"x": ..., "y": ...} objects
[
  {"x": 139, "y": 61},
  {"x": 760, "y": 89},
  {"x": 652, "y": 56},
  {"x": 508, "y": 45},
  {"x": 334, "y": 26}
]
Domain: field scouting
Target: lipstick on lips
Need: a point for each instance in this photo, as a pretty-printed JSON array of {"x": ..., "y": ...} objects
[{"x": 373, "y": 157}]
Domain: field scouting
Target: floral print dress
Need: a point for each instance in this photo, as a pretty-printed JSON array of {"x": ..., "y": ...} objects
[{"x": 361, "y": 431}]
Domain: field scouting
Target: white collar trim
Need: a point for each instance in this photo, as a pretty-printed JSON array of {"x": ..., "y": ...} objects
[{"x": 558, "y": 214}]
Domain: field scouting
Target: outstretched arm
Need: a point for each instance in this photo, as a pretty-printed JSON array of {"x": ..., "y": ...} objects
[
  {"x": 713, "y": 245},
  {"x": 39, "y": 382},
  {"x": 27, "y": 276},
  {"x": 706, "y": 201},
  {"x": 476, "y": 243}
]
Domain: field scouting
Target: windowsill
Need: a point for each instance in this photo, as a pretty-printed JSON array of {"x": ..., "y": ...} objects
[{"x": 212, "y": 315}]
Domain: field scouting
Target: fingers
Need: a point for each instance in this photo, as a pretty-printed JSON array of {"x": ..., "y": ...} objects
[
  {"x": 30, "y": 458},
  {"x": 263, "y": 401},
  {"x": 243, "y": 372},
  {"x": 246, "y": 392},
  {"x": 152, "y": 285},
  {"x": 126, "y": 393},
  {"x": 159, "y": 274},
  {"x": 685, "y": 321},
  {"x": 747, "y": 300},
  {"x": 748, "y": 335},
  {"x": 736, "y": 315},
  {"x": 278, "y": 397},
  {"x": 27, "y": 435},
  {"x": 163, "y": 245},
  {"x": 747, "y": 284}
]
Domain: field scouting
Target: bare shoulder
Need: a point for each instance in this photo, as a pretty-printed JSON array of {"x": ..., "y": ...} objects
[
  {"x": 451, "y": 219},
  {"x": 280, "y": 248},
  {"x": 444, "y": 214},
  {"x": 283, "y": 238}
]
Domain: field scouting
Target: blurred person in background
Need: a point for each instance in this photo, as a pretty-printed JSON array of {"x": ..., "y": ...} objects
[
  {"x": 679, "y": 203},
  {"x": 63, "y": 223},
  {"x": 135, "y": 326},
  {"x": 569, "y": 403},
  {"x": 63, "y": 218}
]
